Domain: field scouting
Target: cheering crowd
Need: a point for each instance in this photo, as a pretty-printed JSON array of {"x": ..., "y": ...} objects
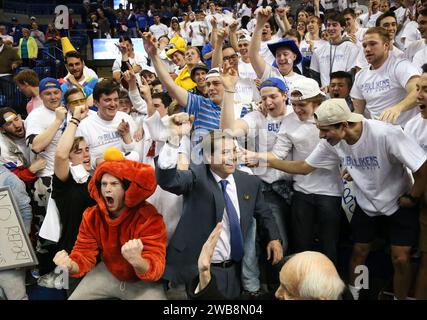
[{"x": 212, "y": 164}]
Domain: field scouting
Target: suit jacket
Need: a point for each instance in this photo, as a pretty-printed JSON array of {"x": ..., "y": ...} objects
[{"x": 203, "y": 208}]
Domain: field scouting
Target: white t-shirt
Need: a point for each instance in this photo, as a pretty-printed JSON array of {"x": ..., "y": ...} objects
[
  {"x": 140, "y": 58},
  {"x": 410, "y": 33},
  {"x": 413, "y": 48},
  {"x": 299, "y": 139},
  {"x": 263, "y": 132},
  {"x": 251, "y": 25},
  {"x": 246, "y": 89},
  {"x": 385, "y": 87},
  {"x": 329, "y": 4},
  {"x": 343, "y": 58},
  {"x": 360, "y": 33},
  {"x": 420, "y": 58},
  {"x": 219, "y": 21},
  {"x": 100, "y": 134},
  {"x": 159, "y": 30},
  {"x": 37, "y": 122},
  {"x": 305, "y": 46},
  {"x": 400, "y": 14},
  {"x": 369, "y": 22},
  {"x": 375, "y": 164},
  {"x": 198, "y": 38},
  {"x": 265, "y": 53},
  {"x": 273, "y": 72},
  {"x": 185, "y": 32},
  {"x": 417, "y": 129},
  {"x": 244, "y": 10}
]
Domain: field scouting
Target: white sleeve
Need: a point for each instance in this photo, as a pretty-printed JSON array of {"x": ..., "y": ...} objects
[
  {"x": 355, "y": 92},
  {"x": 132, "y": 128},
  {"x": 283, "y": 144},
  {"x": 117, "y": 65},
  {"x": 314, "y": 64},
  {"x": 168, "y": 157},
  {"x": 323, "y": 156},
  {"x": 253, "y": 119},
  {"x": 138, "y": 103},
  {"x": 419, "y": 59},
  {"x": 405, "y": 149},
  {"x": 354, "y": 55},
  {"x": 404, "y": 71},
  {"x": 364, "y": 19},
  {"x": 156, "y": 126},
  {"x": 33, "y": 126},
  {"x": 185, "y": 146}
]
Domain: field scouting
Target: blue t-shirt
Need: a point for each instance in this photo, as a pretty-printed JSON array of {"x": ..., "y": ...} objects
[{"x": 206, "y": 49}]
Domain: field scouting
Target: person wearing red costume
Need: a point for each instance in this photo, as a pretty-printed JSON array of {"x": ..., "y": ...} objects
[{"x": 125, "y": 230}]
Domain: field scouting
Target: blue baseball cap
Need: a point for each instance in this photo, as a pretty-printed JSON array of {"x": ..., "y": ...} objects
[
  {"x": 48, "y": 83},
  {"x": 287, "y": 43},
  {"x": 274, "y": 82}
]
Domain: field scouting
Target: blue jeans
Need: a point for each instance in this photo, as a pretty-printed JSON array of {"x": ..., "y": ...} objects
[{"x": 250, "y": 267}]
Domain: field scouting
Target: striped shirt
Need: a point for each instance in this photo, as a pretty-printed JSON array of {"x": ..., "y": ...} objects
[
  {"x": 207, "y": 116},
  {"x": 206, "y": 113}
]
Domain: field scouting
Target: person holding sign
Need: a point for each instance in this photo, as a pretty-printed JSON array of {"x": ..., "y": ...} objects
[
  {"x": 12, "y": 282},
  {"x": 124, "y": 229}
]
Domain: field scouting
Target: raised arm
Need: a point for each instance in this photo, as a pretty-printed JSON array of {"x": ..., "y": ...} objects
[
  {"x": 292, "y": 167},
  {"x": 62, "y": 162},
  {"x": 229, "y": 77},
  {"x": 42, "y": 140},
  {"x": 174, "y": 90},
  {"x": 233, "y": 35},
  {"x": 217, "y": 53},
  {"x": 391, "y": 114},
  {"x": 316, "y": 5},
  {"x": 168, "y": 177},
  {"x": 257, "y": 60},
  {"x": 282, "y": 19}
]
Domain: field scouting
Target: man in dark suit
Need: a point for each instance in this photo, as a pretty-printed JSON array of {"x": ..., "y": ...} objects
[{"x": 213, "y": 191}]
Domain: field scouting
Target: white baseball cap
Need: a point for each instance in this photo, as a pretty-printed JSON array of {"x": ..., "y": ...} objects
[
  {"x": 214, "y": 72},
  {"x": 307, "y": 87},
  {"x": 244, "y": 38},
  {"x": 334, "y": 111}
]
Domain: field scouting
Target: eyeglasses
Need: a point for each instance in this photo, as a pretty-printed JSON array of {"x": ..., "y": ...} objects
[
  {"x": 234, "y": 56},
  {"x": 77, "y": 102}
]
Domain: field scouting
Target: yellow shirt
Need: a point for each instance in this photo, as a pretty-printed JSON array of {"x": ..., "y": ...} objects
[{"x": 184, "y": 80}]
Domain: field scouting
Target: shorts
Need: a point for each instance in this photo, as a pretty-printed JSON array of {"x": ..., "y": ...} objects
[{"x": 402, "y": 227}]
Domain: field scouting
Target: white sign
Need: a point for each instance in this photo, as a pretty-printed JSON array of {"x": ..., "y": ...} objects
[{"x": 15, "y": 246}]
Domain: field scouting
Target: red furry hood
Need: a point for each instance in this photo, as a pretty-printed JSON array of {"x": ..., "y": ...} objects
[{"x": 140, "y": 176}]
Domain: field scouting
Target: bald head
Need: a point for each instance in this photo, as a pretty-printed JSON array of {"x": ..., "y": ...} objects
[{"x": 309, "y": 275}]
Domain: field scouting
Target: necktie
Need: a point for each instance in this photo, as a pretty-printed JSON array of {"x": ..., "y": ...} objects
[
  {"x": 152, "y": 151},
  {"x": 235, "y": 232}
]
